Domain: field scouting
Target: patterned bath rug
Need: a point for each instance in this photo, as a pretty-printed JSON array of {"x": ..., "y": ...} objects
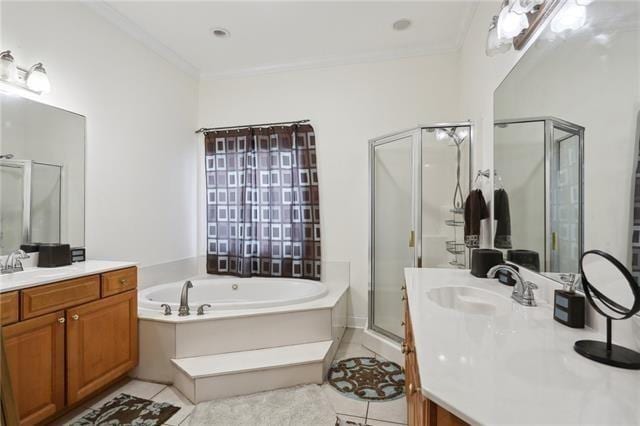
[
  {"x": 129, "y": 410},
  {"x": 367, "y": 378}
]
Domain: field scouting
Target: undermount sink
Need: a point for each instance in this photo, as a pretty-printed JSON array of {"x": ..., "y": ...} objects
[{"x": 470, "y": 300}]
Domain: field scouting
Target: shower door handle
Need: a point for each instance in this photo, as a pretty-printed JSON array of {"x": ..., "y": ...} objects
[{"x": 412, "y": 239}]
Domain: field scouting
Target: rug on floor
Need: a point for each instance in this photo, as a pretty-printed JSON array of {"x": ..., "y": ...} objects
[
  {"x": 367, "y": 378},
  {"x": 129, "y": 410},
  {"x": 297, "y": 406}
]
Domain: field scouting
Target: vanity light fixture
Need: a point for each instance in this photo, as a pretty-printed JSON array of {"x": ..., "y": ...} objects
[
  {"x": 34, "y": 80},
  {"x": 495, "y": 44},
  {"x": 37, "y": 79},
  {"x": 571, "y": 16},
  {"x": 8, "y": 69},
  {"x": 510, "y": 22}
]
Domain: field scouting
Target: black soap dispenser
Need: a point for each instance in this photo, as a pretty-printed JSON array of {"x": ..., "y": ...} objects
[{"x": 568, "y": 306}]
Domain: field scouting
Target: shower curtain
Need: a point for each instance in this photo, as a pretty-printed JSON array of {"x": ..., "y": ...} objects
[{"x": 263, "y": 206}]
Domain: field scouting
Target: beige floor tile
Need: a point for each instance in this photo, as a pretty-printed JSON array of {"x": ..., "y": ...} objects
[
  {"x": 344, "y": 405},
  {"x": 390, "y": 411},
  {"x": 137, "y": 388},
  {"x": 371, "y": 422},
  {"x": 71, "y": 417},
  {"x": 350, "y": 350},
  {"x": 352, "y": 335},
  {"x": 174, "y": 397},
  {"x": 185, "y": 422},
  {"x": 356, "y": 420}
]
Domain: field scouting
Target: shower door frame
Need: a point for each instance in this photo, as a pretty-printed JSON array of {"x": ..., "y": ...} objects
[
  {"x": 416, "y": 204},
  {"x": 26, "y": 167}
]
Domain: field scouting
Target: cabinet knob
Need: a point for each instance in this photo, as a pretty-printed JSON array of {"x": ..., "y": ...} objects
[
  {"x": 412, "y": 389},
  {"x": 61, "y": 320},
  {"x": 75, "y": 317},
  {"x": 123, "y": 281}
]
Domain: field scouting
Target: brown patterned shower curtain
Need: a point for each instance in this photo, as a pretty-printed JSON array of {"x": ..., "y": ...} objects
[{"x": 263, "y": 206}]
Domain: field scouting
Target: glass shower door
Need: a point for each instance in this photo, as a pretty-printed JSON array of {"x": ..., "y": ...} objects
[
  {"x": 395, "y": 229},
  {"x": 15, "y": 187}
]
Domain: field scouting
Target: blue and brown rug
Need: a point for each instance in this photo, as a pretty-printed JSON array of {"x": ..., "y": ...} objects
[{"x": 367, "y": 378}]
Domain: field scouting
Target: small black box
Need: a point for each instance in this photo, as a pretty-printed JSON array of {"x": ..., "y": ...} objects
[
  {"x": 568, "y": 308},
  {"x": 484, "y": 259},
  {"x": 53, "y": 255},
  {"x": 78, "y": 254}
]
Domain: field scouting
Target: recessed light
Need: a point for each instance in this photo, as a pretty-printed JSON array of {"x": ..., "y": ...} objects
[
  {"x": 220, "y": 32},
  {"x": 401, "y": 24}
]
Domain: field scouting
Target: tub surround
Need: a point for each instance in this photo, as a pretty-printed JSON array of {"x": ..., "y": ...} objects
[
  {"x": 34, "y": 276},
  {"x": 212, "y": 355},
  {"x": 517, "y": 366}
]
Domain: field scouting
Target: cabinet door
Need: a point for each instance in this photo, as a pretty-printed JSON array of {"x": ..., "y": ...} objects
[
  {"x": 102, "y": 343},
  {"x": 35, "y": 355}
]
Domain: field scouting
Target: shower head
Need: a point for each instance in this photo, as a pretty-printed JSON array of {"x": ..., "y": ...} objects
[{"x": 6, "y": 156}]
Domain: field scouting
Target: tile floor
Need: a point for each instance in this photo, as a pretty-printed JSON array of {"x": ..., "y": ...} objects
[{"x": 392, "y": 413}]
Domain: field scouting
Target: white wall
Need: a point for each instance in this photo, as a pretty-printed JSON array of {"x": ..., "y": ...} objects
[
  {"x": 347, "y": 105},
  {"x": 141, "y": 112}
]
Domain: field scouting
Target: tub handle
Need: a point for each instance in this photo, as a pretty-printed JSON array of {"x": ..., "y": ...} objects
[
  {"x": 167, "y": 309},
  {"x": 201, "y": 308}
]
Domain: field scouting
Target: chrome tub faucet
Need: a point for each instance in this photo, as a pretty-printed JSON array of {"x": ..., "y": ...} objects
[
  {"x": 183, "y": 311},
  {"x": 523, "y": 290}
]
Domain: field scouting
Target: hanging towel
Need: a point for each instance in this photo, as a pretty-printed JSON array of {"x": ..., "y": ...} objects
[
  {"x": 503, "y": 218},
  {"x": 475, "y": 209}
]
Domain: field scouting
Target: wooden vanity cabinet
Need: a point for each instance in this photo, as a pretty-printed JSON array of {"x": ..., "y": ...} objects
[
  {"x": 56, "y": 359},
  {"x": 421, "y": 411}
]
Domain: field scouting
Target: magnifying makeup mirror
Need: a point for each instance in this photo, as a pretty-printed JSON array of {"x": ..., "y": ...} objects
[{"x": 612, "y": 291}]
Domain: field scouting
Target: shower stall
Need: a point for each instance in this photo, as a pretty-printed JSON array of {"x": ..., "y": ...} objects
[
  {"x": 30, "y": 202},
  {"x": 418, "y": 181}
]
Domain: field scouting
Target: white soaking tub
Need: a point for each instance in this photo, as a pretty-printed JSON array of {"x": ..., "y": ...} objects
[{"x": 228, "y": 293}]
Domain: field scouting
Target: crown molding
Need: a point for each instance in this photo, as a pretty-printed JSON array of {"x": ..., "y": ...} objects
[
  {"x": 107, "y": 11},
  {"x": 328, "y": 62}
]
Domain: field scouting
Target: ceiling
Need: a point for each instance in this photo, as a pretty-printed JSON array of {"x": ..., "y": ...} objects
[{"x": 271, "y": 36}]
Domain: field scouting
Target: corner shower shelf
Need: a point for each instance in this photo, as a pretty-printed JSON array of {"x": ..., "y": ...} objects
[
  {"x": 454, "y": 247},
  {"x": 457, "y": 210},
  {"x": 453, "y": 222}
]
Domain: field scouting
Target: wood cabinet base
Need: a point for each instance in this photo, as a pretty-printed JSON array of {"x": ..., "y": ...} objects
[{"x": 421, "y": 411}]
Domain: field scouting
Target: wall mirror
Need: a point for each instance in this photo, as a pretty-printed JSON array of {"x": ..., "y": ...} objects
[
  {"x": 42, "y": 174},
  {"x": 566, "y": 139}
]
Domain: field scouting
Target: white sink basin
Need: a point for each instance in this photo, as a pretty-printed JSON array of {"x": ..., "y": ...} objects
[{"x": 470, "y": 300}]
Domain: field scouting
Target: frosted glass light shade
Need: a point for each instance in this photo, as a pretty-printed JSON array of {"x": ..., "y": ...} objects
[
  {"x": 495, "y": 45},
  {"x": 510, "y": 24},
  {"x": 571, "y": 17},
  {"x": 8, "y": 69},
  {"x": 37, "y": 79}
]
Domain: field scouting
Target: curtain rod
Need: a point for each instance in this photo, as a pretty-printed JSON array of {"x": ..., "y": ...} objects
[{"x": 211, "y": 129}]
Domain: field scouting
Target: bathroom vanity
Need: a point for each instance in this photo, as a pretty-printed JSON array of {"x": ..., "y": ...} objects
[
  {"x": 473, "y": 355},
  {"x": 68, "y": 333}
]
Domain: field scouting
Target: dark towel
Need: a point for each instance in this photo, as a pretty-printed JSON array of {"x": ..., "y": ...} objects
[
  {"x": 502, "y": 216},
  {"x": 475, "y": 209}
]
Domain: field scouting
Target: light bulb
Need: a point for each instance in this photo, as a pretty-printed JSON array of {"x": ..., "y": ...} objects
[
  {"x": 441, "y": 134},
  {"x": 494, "y": 44},
  {"x": 37, "y": 79},
  {"x": 462, "y": 133},
  {"x": 8, "y": 69},
  {"x": 510, "y": 24},
  {"x": 571, "y": 17}
]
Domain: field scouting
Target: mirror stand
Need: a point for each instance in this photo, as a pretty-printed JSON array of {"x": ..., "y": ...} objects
[{"x": 608, "y": 353}]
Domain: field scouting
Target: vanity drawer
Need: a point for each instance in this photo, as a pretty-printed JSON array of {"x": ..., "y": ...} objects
[
  {"x": 119, "y": 281},
  {"x": 54, "y": 297},
  {"x": 9, "y": 308}
]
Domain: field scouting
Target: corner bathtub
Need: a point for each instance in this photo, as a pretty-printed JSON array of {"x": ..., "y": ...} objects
[{"x": 229, "y": 293}]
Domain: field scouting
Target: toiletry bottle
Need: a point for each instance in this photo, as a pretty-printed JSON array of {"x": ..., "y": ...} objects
[{"x": 568, "y": 306}]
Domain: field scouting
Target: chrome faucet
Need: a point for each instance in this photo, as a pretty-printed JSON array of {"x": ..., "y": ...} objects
[
  {"x": 12, "y": 263},
  {"x": 523, "y": 290},
  {"x": 183, "y": 311}
]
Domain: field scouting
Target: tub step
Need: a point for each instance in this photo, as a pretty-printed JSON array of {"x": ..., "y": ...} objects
[{"x": 209, "y": 377}]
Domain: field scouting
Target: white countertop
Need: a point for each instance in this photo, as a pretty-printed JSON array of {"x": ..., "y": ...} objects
[
  {"x": 33, "y": 276},
  {"x": 518, "y": 367}
]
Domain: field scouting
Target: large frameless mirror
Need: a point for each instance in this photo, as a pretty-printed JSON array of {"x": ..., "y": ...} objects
[
  {"x": 566, "y": 142},
  {"x": 42, "y": 168}
]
